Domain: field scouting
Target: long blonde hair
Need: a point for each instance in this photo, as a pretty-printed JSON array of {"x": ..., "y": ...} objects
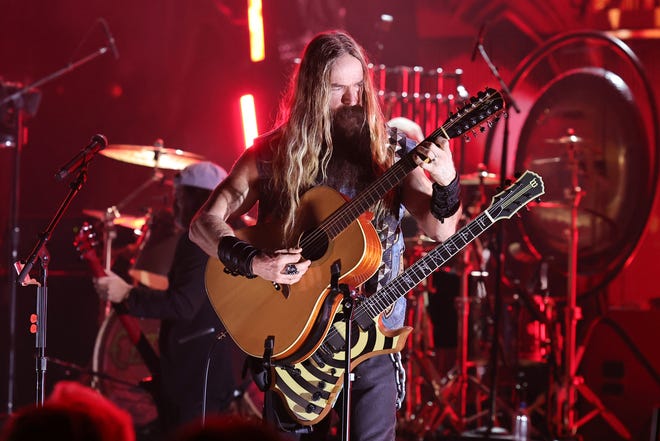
[{"x": 305, "y": 121}]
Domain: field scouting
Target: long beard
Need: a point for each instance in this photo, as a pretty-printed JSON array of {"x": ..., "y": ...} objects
[
  {"x": 350, "y": 133},
  {"x": 351, "y": 163}
]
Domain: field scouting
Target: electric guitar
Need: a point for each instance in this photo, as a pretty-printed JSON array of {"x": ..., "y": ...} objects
[
  {"x": 85, "y": 242},
  {"x": 309, "y": 388},
  {"x": 332, "y": 229}
]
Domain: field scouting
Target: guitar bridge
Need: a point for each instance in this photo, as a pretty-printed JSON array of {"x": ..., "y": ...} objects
[{"x": 283, "y": 288}]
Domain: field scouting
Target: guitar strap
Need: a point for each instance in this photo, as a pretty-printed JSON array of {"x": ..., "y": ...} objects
[{"x": 389, "y": 228}]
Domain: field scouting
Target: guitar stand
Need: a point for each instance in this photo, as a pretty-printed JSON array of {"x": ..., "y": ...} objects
[{"x": 268, "y": 413}]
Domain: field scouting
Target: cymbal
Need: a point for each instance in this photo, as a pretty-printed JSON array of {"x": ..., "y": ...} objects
[
  {"x": 151, "y": 156},
  {"x": 132, "y": 222},
  {"x": 480, "y": 178},
  {"x": 549, "y": 160},
  {"x": 565, "y": 140},
  {"x": 419, "y": 242},
  {"x": 560, "y": 212}
]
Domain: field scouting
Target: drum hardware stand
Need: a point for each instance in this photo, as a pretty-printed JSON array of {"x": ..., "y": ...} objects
[
  {"x": 459, "y": 377},
  {"x": 571, "y": 383},
  {"x": 417, "y": 348},
  {"x": 114, "y": 212},
  {"x": 494, "y": 350},
  {"x": 74, "y": 367}
]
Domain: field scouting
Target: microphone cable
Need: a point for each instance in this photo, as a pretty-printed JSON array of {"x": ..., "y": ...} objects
[{"x": 218, "y": 338}]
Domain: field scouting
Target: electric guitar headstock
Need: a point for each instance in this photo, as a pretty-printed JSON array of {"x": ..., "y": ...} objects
[{"x": 86, "y": 243}]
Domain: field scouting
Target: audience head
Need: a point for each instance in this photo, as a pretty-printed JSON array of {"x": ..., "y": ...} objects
[
  {"x": 228, "y": 428},
  {"x": 73, "y": 412}
]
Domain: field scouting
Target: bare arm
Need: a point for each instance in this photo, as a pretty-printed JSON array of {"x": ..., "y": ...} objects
[
  {"x": 418, "y": 189},
  {"x": 233, "y": 197}
]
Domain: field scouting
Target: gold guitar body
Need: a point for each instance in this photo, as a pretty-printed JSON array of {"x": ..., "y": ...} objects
[{"x": 253, "y": 309}]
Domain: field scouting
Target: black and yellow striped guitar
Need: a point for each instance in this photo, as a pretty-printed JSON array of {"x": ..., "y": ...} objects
[{"x": 309, "y": 388}]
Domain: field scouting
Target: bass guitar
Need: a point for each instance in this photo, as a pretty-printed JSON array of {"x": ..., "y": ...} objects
[
  {"x": 331, "y": 229},
  {"x": 309, "y": 388}
]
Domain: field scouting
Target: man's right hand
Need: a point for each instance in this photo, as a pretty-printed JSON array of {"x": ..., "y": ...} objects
[
  {"x": 283, "y": 266},
  {"x": 112, "y": 287}
]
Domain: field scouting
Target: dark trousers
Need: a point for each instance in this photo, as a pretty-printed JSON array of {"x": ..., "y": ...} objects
[{"x": 373, "y": 404}]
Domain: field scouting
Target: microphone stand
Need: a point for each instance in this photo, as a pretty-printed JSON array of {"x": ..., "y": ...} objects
[
  {"x": 58, "y": 73},
  {"x": 348, "y": 306},
  {"x": 17, "y": 101},
  {"x": 494, "y": 350},
  {"x": 41, "y": 252}
]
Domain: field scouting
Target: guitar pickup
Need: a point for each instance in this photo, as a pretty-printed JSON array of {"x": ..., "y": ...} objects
[
  {"x": 336, "y": 342},
  {"x": 364, "y": 321}
]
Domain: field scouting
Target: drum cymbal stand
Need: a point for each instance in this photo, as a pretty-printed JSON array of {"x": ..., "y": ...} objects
[
  {"x": 114, "y": 212},
  {"x": 571, "y": 383},
  {"x": 474, "y": 262},
  {"x": 423, "y": 413}
]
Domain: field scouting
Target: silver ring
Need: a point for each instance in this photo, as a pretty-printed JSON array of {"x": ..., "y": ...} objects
[{"x": 290, "y": 269}]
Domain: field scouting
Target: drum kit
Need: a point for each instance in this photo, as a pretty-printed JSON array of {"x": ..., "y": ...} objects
[{"x": 446, "y": 391}]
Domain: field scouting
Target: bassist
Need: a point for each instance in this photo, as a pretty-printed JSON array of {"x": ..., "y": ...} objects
[{"x": 189, "y": 325}]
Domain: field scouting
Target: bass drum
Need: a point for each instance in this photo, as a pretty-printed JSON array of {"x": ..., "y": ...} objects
[
  {"x": 122, "y": 376},
  {"x": 124, "y": 379}
]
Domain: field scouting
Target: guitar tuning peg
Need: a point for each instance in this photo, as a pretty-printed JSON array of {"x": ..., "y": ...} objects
[
  {"x": 475, "y": 133},
  {"x": 490, "y": 124},
  {"x": 482, "y": 129},
  {"x": 467, "y": 138},
  {"x": 538, "y": 200},
  {"x": 517, "y": 175},
  {"x": 507, "y": 182}
]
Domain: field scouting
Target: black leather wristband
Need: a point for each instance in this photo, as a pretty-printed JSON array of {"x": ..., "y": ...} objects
[
  {"x": 446, "y": 200},
  {"x": 237, "y": 255}
]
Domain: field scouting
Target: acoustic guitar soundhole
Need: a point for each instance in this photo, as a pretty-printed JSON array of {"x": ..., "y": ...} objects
[{"x": 314, "y": 244}]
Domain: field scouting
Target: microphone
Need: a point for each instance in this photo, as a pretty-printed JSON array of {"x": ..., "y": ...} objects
[
  {"x": 480, "y": 40},
  {"x": 98, "y": 143},
  {"x": 111, "y": 39}
]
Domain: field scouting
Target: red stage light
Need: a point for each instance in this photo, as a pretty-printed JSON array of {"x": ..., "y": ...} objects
[
  {"x": 249, "y": 117},
  {"x": 256, "y": 26}
]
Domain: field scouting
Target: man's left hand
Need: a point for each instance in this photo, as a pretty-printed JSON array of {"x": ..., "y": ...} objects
[{"x": 439, "y": 163}]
